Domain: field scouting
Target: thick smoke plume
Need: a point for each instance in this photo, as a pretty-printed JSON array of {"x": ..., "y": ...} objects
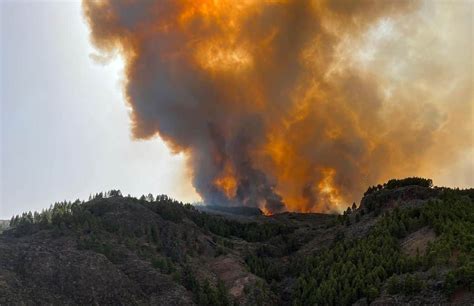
[{"x": 290, "y": 105}]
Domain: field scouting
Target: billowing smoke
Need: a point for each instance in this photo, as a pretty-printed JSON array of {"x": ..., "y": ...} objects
[{"x": 293, "y": 105}]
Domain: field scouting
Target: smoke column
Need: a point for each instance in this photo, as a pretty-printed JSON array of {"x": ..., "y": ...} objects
[{"x": 295, "y": 105}]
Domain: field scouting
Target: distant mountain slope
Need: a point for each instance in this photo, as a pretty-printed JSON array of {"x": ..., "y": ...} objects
[
  {"x": 230, "y": 210},
  {"x": 405, "y": 244}
]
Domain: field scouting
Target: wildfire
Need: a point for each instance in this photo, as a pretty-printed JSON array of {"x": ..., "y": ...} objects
[
  {"x": 228, "y": 185},
  {"x": 330, "y": 194},
  {"x": 265, "y": 210},
  {"x": 227, "y": 182},
  {"x": 270, "y": 100},
  {"x": 221, "y": 58}
]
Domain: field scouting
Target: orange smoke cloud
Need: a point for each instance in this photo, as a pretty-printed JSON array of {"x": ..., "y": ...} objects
[
  {"x": 227, "y": 182},
  {"x": 279, "y": 103}
]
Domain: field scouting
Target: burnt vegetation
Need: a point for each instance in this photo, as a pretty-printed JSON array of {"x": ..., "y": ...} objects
[{"x": 207, "y": 259}]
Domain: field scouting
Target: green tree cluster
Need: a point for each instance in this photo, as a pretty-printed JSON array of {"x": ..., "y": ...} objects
[
  {"x": 397, "y": 183},
  {"x": 354, "y": 269},
  {"x": 205, "y": 294}
]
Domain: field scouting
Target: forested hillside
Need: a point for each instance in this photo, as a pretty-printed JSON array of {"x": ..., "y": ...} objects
[{"x": 406, "y": 242}]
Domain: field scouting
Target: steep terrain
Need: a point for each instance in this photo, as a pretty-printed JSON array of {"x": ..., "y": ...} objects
[{"x": 407, "y": 242}]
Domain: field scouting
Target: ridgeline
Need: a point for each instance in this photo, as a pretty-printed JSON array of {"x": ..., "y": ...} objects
[{"x": 407, "y": 242}]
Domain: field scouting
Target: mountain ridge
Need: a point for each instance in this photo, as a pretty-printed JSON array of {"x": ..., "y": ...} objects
[{"x": 124, "y": 250}]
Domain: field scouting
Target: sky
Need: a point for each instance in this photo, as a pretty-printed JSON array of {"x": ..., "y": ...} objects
[
  {"x": 65, "y": 129},
  {"x": 64, "y": 123}
]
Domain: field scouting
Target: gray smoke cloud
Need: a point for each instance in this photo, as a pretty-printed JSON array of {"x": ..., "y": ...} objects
[{"x": 275, "y": 102}]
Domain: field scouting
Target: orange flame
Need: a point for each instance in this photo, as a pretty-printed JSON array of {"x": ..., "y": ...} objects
[{"x": 265, "y": 210}]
